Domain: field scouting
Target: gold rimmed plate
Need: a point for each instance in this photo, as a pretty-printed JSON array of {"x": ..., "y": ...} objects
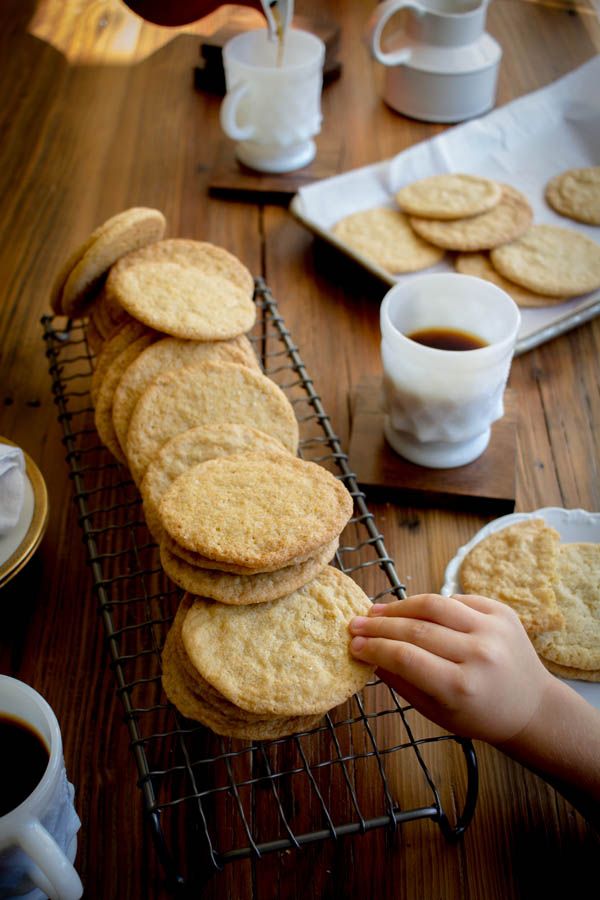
[{"x": 18, "y": 546}]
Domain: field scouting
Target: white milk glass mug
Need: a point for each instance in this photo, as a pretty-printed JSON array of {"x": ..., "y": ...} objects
[
  {"x": 38, "y": 839},
  {"x": 440, "y": 404},
  {"x": 273, "y": 111}
]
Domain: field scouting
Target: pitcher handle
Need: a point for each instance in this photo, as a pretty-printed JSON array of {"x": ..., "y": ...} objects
[
  {"x": 51, "y": 867},
  {"x": 228, "y": 114},
  {"x": 381, "y": 16}
]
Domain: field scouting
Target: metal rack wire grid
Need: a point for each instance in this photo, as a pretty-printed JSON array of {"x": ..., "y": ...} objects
[{"x": 212, "y": 800}]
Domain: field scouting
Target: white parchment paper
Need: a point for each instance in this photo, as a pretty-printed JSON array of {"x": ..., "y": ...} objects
[{"x": 524, "y": 143}]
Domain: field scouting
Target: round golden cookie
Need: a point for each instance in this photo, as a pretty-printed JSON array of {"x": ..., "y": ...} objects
[
  {"x": 570, "y": 672},
  {"x": 63, "y": 273},
  {"x": 195, "y": 699},
  {"x": 163, "y": 356},
  {"x": 479, "y": 265},
  {"x": 577, "y": 589},
  {"x": 94, "y": 338},
  {"x": 508, "y": 219},
  {"x": 183, "y": 301},
  {"x": 551, "y": 260},
  {"x": 115, "y": 312},
  {"x": 289, "y": 657},
  {"x": 241, "y": 590},
  {"x": 383, "y": 236},
  {"x": 119, "y": 235},
  {"x": 103, "y": 408},
  {"x": 449, "y": 196},
  {"x": 189, "y": 448},
  {"x": 517, "y": 565},
  {"x": 209, "y": 393},
  {"x": 208, "y": 261},
  {"x": 198, "y": 700},
  {"x": 202, "y": 255},
  {"x": 203, "y": 562},
  {"x": 111, "y": 348},
  {"x": 576, "y": 194},
  {"x": 97, "y": 313},
  {"x": 260, "y": 510}
]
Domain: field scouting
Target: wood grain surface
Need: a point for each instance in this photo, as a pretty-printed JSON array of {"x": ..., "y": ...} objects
[{"x": 97, "y": 113}]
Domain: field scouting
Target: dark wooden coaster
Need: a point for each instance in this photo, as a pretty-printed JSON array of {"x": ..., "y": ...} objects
[
  {"x": 230, "y": 178},
  {"x": 487, "y": 484}
]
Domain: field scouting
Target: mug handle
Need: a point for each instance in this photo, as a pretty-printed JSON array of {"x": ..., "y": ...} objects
[
  {"x": 228, "y": 114},
  {"x": 377, "y": 23},
  {"x": 51, "y": 863}
]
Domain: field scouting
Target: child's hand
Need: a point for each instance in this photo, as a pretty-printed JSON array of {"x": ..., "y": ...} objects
[{"x": 464, "y": 661}]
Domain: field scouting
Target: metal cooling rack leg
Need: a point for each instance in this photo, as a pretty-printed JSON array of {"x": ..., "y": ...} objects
[{"x": 454, "y": 833}]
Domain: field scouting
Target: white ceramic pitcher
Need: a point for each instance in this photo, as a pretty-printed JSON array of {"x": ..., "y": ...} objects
[{"x": 443, "y": 66}]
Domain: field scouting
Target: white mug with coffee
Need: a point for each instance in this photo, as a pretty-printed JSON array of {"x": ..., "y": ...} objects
[
  {"x": 447, "y": 345},
  {"x": 38, "y": 822},
  {"x": 272, "y": 107}
]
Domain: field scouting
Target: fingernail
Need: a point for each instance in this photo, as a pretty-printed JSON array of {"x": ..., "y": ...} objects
[
  {"x": 377, "y": 609},
  {"x": 358, "y": 643},
  {"x": 358, "y": 623}
]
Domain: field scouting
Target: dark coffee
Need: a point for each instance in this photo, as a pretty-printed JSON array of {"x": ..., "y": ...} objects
[
  {"x": 447, "y": 339},
  {"x": 23, "y": 760}
]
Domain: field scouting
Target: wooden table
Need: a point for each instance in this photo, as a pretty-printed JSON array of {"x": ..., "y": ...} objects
[{"x": 98, "y": 113}]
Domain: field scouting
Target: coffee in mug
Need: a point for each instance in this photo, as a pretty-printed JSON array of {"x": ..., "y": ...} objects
[
  {"x": 23, "y": 760},
  {"x": 38, "y": 822},
  {"x": 447, "y": 342}
]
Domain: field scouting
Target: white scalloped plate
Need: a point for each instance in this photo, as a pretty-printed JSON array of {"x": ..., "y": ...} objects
[{"x": 572, "y": 525}]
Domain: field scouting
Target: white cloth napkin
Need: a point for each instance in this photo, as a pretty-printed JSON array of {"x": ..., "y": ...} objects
[{"x": 12, "y": 486}]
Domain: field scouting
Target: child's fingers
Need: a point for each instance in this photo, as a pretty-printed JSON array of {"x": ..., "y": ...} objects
[
  {"x": 474, "y": 601},
  {"x": 424, "y": 670},
  {"x": 407, "y": 691},
  {"x": 489, "y": 607},
  {"x": 437, "y": 639},
  {"x": 431, "y": 607}
]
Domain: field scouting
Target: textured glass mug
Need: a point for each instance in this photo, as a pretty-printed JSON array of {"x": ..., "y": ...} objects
[
  {"x": 38, "y": 839},
  {"x": 440, "y": 404},
  {"x": 273, "y": 111}
]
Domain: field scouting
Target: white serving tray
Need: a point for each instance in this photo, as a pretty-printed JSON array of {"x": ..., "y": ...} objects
[{"x": 524, "y": 143}]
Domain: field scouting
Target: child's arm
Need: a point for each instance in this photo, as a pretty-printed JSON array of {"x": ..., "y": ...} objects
[{"x": 466, "y": 663}]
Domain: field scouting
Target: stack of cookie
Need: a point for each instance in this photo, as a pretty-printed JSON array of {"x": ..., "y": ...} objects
[
  {"x": 489, "y": 228},
  {"x": 264, "y": 671},
  {"x": 554, "y": 588},
  {"x": 251, "y": 527},
  {"x": 465, "y": 212},
  {"x": 179, "y": 397},
  {"x": 259, "y": 647},
  {"x": 480, "y": 219},
  {"x": 156, "y": 308}
]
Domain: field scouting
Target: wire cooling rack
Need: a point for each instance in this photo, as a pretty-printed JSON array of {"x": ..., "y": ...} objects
[{"x": 211, "y": 800}]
